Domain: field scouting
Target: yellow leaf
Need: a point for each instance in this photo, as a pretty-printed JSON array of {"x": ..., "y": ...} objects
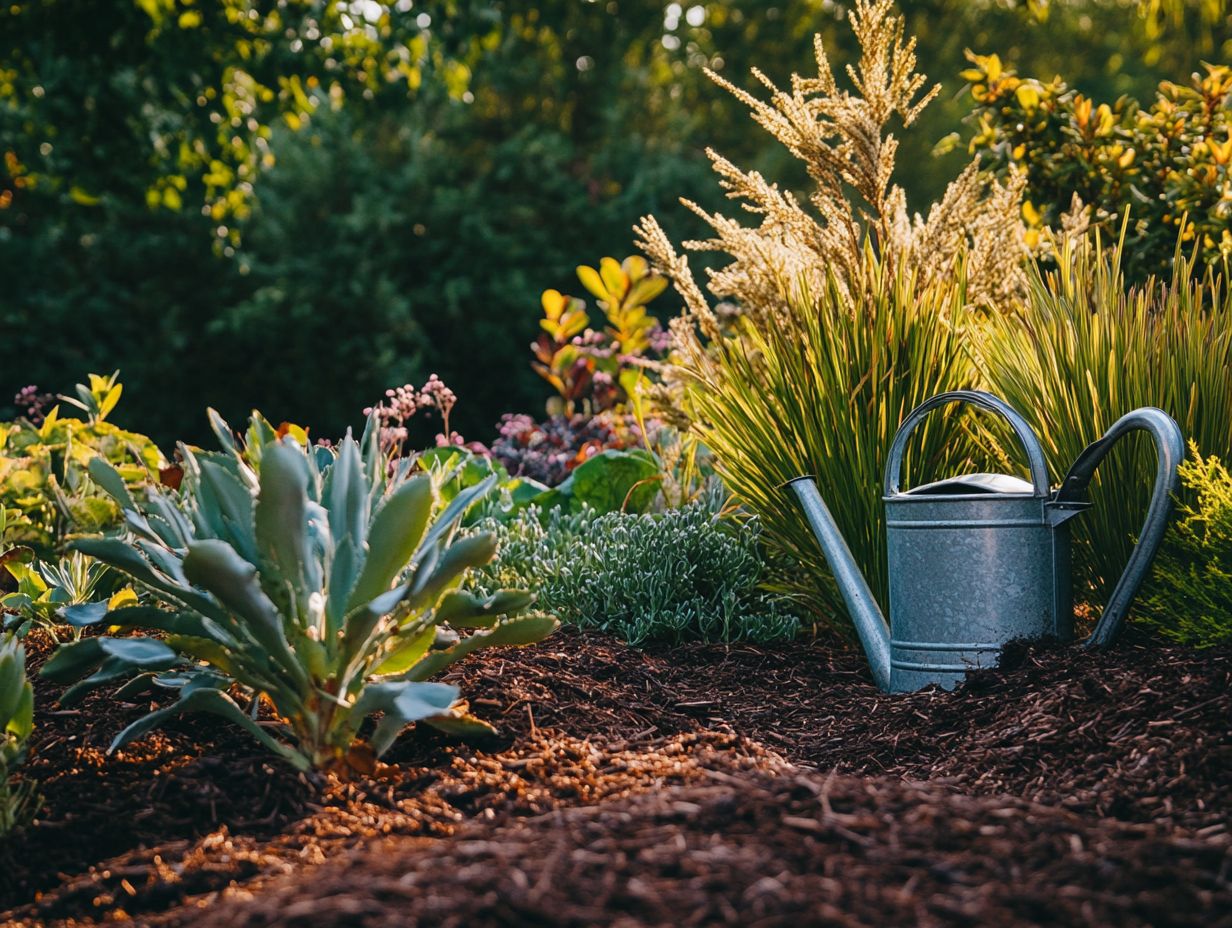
[
  {"x": 121, "y": 598},
  {"x": 78, "y": 195},
  {"x": 592, "y": 281},
  {"x": 554, "y": 303},
  {"x": 1028, "y": 97}
]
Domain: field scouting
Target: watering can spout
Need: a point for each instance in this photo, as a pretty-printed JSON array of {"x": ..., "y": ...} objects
[{"x": 869, "y": 623}]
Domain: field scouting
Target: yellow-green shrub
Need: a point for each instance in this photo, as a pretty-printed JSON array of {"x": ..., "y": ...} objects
[{"x": 1190, "y": 600}]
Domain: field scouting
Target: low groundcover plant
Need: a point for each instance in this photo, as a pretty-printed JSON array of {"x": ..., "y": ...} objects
[
  {"x": 684, "y": 574},
  {"x": 317, "y": 580}
]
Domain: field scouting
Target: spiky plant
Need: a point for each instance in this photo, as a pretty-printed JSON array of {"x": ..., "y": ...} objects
[
  {"x": 823, "y": 393},
  {"x": 1087, "y": 348},
  {"x": 317, "y": 581}
]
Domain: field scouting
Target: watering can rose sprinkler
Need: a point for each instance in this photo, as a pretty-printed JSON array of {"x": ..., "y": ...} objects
[{"x": 979, "y": 560}]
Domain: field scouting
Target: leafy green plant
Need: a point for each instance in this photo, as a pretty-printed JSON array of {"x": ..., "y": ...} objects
[
  {"x": 1087, "y": 348},
  {"x": 1169, "y": 163},
  {"x": 53, "y": 594},
  {"x": 822, "y": 393},
  {"x": 685, "y": 574},
  {"x": 321, "y": 581},
  {"x": 1190, "y": 599},
  {"x": 594, "y": 371},
  {"x": 44, "y": 479},
  {"x": 18, "y": 800}
]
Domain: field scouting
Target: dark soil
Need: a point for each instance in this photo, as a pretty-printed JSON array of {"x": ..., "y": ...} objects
[{"x": 699, "y": 785}]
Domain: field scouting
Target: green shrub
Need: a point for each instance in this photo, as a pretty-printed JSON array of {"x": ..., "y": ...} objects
[
  {"x": 17, "y": 799},
  {"x": 320, "y": 581},
  {"x": 1190, "y": 600},
  {"x": 685, "y": 574},
  {"x": 823, "y": 393},
  {"x": 44, "y": 484},
  {"x": 1170, "y": 162},
  {"x": 1088, "y": 348}
]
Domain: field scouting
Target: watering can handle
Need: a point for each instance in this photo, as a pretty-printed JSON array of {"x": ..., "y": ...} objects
[
  {"x": 1169, "y": 452},
  {"x": 1035, "y": 454}
]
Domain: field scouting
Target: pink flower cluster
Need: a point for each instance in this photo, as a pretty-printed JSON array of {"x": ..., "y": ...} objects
[{"x": 403, "y": 403}]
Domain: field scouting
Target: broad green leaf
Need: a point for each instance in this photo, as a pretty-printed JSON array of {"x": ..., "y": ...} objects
[
  {"x": 402, "y": 703},
  {"x": 393, "y": 539},
  {"x": 406, "y": 653},
  {"x": 432, "y": 580},
  {"x": 521, "y": 630},
  {"x": 462, "y": 609},
  {"x": 281, "y": 515},
  {"x": 109, "y": 479},
  {"x": 73, "y": 660},
  {"x": 208, "y": 699}
]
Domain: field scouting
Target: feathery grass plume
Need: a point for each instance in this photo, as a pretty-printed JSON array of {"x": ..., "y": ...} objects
[
  {"x": 823, "y": 393},
  {"x": 1087, "y": 348},
  {"x": 844, "y": 140}
]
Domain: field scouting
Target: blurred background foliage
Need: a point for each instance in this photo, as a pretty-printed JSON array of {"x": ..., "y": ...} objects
[{"x": 293, "y": 204}]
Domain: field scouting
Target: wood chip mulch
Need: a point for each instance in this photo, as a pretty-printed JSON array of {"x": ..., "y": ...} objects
[{"x": 696, "y": 785}]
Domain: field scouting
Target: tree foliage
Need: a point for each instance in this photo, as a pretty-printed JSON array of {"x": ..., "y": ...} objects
[{"x": 373, "y": 191}]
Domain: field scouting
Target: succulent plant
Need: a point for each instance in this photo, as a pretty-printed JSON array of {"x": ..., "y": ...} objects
[
  {"x": 17, "y": 800},
  {"x": 321, "y": 581}
]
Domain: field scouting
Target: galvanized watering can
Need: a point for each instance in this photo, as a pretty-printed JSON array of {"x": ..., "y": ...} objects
[{"x": 979, "y": 560}]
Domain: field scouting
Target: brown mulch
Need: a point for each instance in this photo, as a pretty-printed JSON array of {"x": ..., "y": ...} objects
[
  {"x": 788, "y": 850},
  {"x": 1113, "y": 770}
]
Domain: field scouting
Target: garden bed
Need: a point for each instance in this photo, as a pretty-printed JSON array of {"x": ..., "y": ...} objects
[{"x": 695, "y": 785}]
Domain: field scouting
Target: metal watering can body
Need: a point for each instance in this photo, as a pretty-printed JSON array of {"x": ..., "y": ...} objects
[{"x": 979, "y": 560}]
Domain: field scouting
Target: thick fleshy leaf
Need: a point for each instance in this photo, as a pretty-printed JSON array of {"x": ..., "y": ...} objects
[
  {"x": 109, "y": 479},
  {"x": 522, "y": 630},
  {"x": 393, "y": 538},
  {"x": 73, "y": 660},
  {"x": 447, "y": 520},
  {"x": 215, "y": 566},
  {"x": 471, "y": 551},
  {"x": 343, "y": 573},
  {"x": 141, "y": 653},
  {"x": 402, "y": 703},
  {"x": 407, "y": 653},
  {"x": 346, "y": 496},
  {"x": 231, "y": 503},
  {"x": 466, "y": 610},
  {"x": 84, "y": 615},
  {"x": 128, "y": 559},
  {"x": 222, "y": 431},
  {"x": 208, "y": 699},
  {"x": 281, "y": 516}
]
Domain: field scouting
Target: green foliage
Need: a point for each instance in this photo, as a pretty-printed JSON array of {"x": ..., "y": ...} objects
[
  {"x": 18, "y": 801},
  {"x": 1169, "y": 164},
  {"x": 1088, "y": 348},
  {"x": 598, "y": 371},
  {"x": 1190, "y": 600},
  {"x": 52, "y": 594},
  {"x": 685, "y": 574},
  {"x": 321, "y": 582},
  {"x": 610, "y": 481},
  {"x": 822, "y": 393},
  {"x": 44, "y": 483},
  {"x": 400, "y": 222}
]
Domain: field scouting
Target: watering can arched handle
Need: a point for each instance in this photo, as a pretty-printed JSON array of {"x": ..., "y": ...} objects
[
  {"x": 1035, "y": 454},
  {"x": 1169, "y": 452}
]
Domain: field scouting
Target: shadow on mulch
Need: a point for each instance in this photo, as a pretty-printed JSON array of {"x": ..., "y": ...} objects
[{"x": 1140, "y": 735}]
